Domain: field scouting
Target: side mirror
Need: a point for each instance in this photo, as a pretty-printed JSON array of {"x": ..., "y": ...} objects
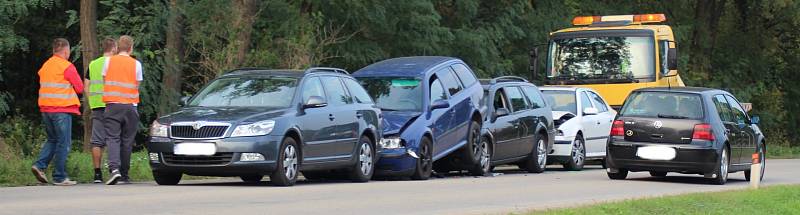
[
  {"x": 672, "y": 57},
  {"x": 500, "y": 112},
  {"x": 755, "y": 119},
  {"x": 590, "y": 111},
  {"x": 184, "y": 101},
  {"x": 315, "y": 102},
  {"x": 438, "y": 104}
]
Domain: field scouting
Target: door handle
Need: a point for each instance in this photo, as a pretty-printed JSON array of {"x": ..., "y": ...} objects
[
  {"x": 359, "y": 115},
  {"x": 331, "y": 117},
  {"x": 598, "y": 122}
]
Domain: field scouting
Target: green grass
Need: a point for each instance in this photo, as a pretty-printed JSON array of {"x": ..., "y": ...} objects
[
  {"x": 17, "y": 171},
  {"x": 782, "y": 152},
  {"x": 782, "y": 199}
]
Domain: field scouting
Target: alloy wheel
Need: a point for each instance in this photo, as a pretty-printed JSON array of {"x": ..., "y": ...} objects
[
  {"x": 365, "y": 158},
  {"x": 290, "y": 162},
  {"x": 578, "y": 152},
  {"x": 541, "y": 153}
]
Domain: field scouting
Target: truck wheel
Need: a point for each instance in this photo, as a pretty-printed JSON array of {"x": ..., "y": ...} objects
[
  {"x": 425, "y": 161},
  {"x": 165, "y": 178},
  {"x": 365, "y": 162},
  {"x": 578, "y": 155},
  {"x": 288, "y": 163}
]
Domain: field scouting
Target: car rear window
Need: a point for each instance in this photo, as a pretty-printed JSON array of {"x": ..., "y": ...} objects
[{"x": 663, "y": 105}]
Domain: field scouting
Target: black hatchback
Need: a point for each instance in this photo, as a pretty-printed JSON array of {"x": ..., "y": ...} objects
[
  {"x": 683, "y": 129},
  {"x": 255, "y": 122}
]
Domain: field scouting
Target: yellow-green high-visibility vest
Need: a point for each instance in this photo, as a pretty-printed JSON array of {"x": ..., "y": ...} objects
[{"x": 96, "y": 83}]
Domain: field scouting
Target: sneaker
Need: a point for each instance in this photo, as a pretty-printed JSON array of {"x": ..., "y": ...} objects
[
  {"x": 40, "y": 176},
  {"x": 65, "y": 182},
  {"x": 124, "y": 180},
  {"x": 98, "y": 177},
  {"x": 115, "y": 176}
]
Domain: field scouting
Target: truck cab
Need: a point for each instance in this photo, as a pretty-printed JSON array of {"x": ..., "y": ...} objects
[{"x": 613, "y": 55}]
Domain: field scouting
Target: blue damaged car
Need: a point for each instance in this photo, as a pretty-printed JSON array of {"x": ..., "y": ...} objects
[{"x": 431, "y": 109}]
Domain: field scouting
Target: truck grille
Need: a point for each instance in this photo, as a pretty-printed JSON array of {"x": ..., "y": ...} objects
[
  {"x": 220, "y": 158},
  {"x": 205, "y": 132}
]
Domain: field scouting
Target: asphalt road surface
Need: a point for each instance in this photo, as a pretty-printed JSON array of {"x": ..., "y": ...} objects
[{"x": 510, "y": 191}]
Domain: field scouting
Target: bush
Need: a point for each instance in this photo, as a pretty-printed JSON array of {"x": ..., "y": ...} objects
[{"x": 22, "y": 136}]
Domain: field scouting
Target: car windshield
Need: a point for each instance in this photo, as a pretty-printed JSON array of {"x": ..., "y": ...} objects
[
  {"x": 247, "y": 92},
  {"x": 561, "y": 100},
  {"x": 622, "y": 59},
  {"x": 663, "y": 105},
  {"x": 395, "y": 94}
]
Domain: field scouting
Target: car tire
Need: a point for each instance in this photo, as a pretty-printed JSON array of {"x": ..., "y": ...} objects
[
  {"x": 762, "y": 160},
  {"x": 288, "y": 163},
  {"x": 424, "y": 166},
  {"x": 251, "y": 178},
  {"x": 165, "y": 178},
  {"x": 365, "y": 161},
  {"x": 537, "y": 161},
  {"x": 577, "y": 156},
  {"x": 621, "y": 174},
  {"x": 658, "y": 174},
  {"x": 483, "y": 151},
  {"x": 721, "y": 171},
  {"x": 468, "y": 156}
]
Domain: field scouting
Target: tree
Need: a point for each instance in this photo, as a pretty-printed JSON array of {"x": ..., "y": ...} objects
[
  {"x": 88, "y": 24},
  {"x": 174, "y": 59}
]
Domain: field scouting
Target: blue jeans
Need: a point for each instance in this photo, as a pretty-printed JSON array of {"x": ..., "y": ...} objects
[{"x": 59, "y": 139}]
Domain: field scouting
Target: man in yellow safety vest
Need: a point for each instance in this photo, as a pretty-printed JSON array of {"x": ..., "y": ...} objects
[{"x": 97, "y": 105}]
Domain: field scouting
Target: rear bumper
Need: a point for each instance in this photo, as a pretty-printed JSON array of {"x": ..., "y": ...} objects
[
  {"x": 688, "y": 158},
  {"x": 225, "y": 163}
]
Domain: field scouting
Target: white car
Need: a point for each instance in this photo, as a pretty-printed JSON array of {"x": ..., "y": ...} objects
[{"x": 583, "y": 120}]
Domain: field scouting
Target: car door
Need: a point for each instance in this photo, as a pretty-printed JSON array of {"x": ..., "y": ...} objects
[
  {"x": 725, "y": 113},
  {"x": 520, "y": 109},
  {"x": 314, "y": 123},
  {"x": 747, "y": 136},
  {"x": 605, "y": 117},
  {"x": 457, "y": 129},
  {"x": 343, "y": 134},
  {"x": 440, "y": 118},
  {"x": 591, "y": 134},
  {"x": 506, "y": 128},
  {"x": 538, "y": 115}
]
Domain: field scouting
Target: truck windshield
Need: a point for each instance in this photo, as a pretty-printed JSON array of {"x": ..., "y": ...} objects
[
  {"x": 394, "y": 94},
  {"x": 247, "y": 92},
  {"x": 602, "y": 60}
]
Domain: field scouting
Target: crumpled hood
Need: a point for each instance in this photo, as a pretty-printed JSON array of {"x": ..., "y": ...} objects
[
  {"x": 396, "y": 121},
  {"x": 559, "y": 114},
  {"x": 232, "y": 115}
]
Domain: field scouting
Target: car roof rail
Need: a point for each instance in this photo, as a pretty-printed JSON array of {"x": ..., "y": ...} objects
[
  {"x": 326, "y": 69},
  {"x": 507, "y": 79}
]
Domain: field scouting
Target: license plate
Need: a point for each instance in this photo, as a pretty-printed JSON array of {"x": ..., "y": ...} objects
[
  {"x": 656, "y": 152},
  {"x": 195, "y": 149}
]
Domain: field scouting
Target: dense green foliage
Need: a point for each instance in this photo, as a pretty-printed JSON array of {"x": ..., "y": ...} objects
[{"x": 751, "y": 48}]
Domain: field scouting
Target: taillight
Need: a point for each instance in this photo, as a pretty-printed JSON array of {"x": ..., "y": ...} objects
[
  {"x": 618, "y": 128},
  {"x": 703, "y": 132}
]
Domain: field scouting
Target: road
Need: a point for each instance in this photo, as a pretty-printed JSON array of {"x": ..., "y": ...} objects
[{"x": 512, "y": 191}]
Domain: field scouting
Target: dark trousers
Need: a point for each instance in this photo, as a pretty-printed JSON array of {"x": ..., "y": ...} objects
[
  {"x": 98, "y": 128},
  {"x": 59, "y": 139},
  {"x": 121, "y": 122}
]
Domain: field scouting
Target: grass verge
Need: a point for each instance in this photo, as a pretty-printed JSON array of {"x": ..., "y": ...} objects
[
  {"x": 17, "y": 171},
  {"x": 779, "y": 199},
  {"x": 782, "y": 152}
]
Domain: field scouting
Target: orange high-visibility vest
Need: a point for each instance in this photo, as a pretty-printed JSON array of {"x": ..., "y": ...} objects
[
  {"x": 120, "y": 84},
  {"x": 55, "y": 90}
]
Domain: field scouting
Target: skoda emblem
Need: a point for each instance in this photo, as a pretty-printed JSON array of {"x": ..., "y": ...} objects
[
  {"x": 629, "y": 133},
  {"x": 198, "y": 125},
  {"x": 657, "y": 124}
]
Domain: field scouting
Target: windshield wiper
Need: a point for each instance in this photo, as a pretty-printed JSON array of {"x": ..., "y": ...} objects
[
  {"x": 671, "y": 116},
  {"x": 388, "y": 109}
]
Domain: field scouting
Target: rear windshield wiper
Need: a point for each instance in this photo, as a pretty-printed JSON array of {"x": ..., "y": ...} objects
[{"x": 671, "y": 116}]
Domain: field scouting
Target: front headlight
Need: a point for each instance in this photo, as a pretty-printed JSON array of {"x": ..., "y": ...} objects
[
  {"x": 560, "y": 133},
  {"x": 392, "y": 143},
  {"x": 158, "y": 130},
  {"x": 254, "y": 129}
]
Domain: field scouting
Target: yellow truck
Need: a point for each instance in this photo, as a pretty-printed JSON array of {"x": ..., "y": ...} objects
[{"x": 613, "y": 55}]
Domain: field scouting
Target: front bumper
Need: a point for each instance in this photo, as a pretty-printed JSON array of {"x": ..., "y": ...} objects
[
  {"x": 562, "y": 146},
  {"x": 395, "y": 162},
  {"x": 226, "y": 162},
  {"x": 688, "y": 158}
]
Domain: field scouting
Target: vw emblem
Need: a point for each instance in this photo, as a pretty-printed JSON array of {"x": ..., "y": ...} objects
[
  {"x": 198, "y": 125},
  {"x": 629, "y": 133},
  {"x": 657, "y": 124}
]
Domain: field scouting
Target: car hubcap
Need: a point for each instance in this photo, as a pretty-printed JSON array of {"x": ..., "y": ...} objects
[
  {"x": 366, "y": 159},
  {"x": 290, "y": 162},
  {"x": 578, "y": 152},
  {"x": 724, "y": 165},
  {"x": 541, "y": 154}
]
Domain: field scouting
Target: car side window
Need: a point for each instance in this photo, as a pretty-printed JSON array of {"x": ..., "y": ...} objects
[
  {"x": 585, "y": 101},
  {"x": 500, "y": 100},
  {"x": 738, "y": 112},
  {"x": 598, "y": 102},
  {"x": 723, "y": 109},
  {"x": 437, "y": 91},
  {"x": 518, "y": 102},
  {"x": 312, "y": 87},
  {"x": 359, "y": 94},
  {"x": 464, "y": 74},
  {"x": 336, "y": 93},
  {"x": 449, "y": 80},
  {"x": 534, "y": 96}
]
